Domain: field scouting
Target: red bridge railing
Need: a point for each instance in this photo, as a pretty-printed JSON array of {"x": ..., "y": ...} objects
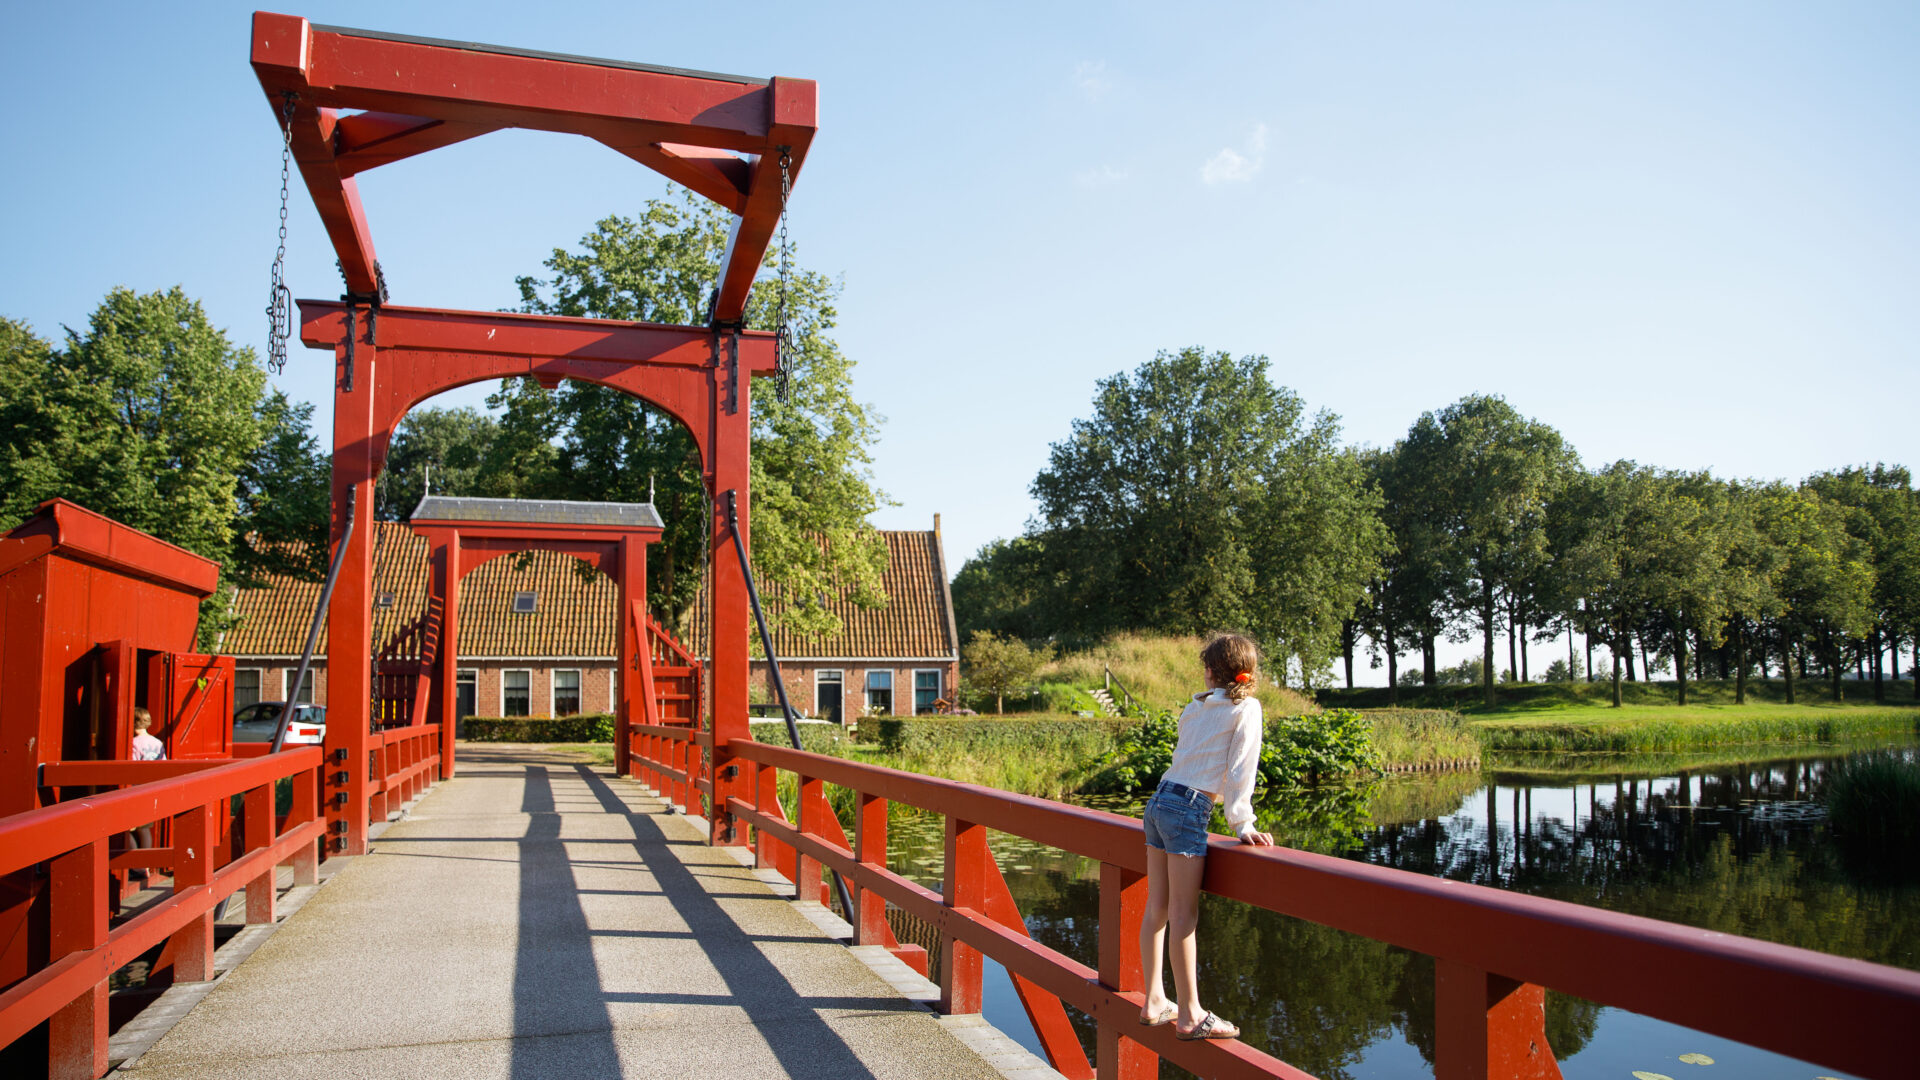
[
  {"x": 1494, "y": 952},
  {"x": 71, "y": 839}
]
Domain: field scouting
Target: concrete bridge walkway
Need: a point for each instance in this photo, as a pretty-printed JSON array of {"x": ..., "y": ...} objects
[{"x": 538, "y": 917}]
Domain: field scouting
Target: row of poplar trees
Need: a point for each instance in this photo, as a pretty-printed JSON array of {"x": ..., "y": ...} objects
[{"x": 1200, "y": 496}]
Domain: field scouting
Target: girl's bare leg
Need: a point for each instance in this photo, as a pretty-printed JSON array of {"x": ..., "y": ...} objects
[
  {"x": 1153, "y": 932},
  {"x": 1182, "y": 914}
]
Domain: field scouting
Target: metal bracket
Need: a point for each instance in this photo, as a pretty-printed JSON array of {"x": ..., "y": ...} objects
[{"x": 732, "y": 332}]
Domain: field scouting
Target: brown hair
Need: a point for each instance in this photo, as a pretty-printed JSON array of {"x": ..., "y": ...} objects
[
  {"x": 142, "y": 719},
  {"x": 1229, "y": 656}
]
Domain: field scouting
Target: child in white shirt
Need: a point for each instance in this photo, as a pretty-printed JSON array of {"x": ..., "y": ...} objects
[{"x": 1216, "y": 759}]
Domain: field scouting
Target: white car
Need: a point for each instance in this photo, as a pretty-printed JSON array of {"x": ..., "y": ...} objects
[{"x": 259, "y": 721}]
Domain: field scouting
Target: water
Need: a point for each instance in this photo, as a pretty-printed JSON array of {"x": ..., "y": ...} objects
[{"x": 1730, "y": 843}]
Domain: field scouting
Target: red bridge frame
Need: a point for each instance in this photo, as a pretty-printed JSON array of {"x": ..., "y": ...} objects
[{"x": 719, "y": 135}]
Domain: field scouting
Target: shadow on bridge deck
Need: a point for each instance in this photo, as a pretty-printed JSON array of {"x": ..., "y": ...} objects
[{"x": 536, "y": 917}]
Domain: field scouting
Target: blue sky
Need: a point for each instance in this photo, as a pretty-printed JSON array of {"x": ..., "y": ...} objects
[{"x": 1683, "y": 235}]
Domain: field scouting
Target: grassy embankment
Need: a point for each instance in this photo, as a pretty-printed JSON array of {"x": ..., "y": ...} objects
[{"x": 1579, "y": 717}]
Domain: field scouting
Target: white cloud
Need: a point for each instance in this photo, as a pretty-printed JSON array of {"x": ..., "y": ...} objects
[
  {"x": 1102, "y": 176},
  {"x": 1090, "y": 76},
  {"x": 1231, "y": 166}
]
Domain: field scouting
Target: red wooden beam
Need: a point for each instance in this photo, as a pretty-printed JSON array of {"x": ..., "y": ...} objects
[{"x": 719, "y": 135}]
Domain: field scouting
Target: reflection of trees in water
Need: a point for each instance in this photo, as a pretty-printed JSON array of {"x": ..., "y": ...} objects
[{"x": 1740, "y": 849}]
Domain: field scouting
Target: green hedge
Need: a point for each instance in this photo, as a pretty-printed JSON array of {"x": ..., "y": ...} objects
[
  {"x": 985, "y": 734},
  {"x": 585, "y": 728},
  {"x": 814, "y": 738}
]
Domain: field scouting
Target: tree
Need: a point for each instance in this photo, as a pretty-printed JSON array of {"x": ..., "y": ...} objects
[
  {"x": 1825, "y": 578},
  {"x": 1883, "y": 514},
  {"x": 1199, "y": 496},
  {"x": 449, "y": 449},
  {"x": 812, "y": 489},
  {"x": 1678, "y": 561},
  {"x": 1001, "y": 589},
  {"x": 283, "y": 493},
  {"x": 1417, "y": 572},
  {"x": 1001, "y": 665},
  {"x": 1495, "y": 471},
  {"x": 149, "y": 417}
]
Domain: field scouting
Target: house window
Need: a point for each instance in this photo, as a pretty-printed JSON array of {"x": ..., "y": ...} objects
[
  {"x": 826, "y": 695},
  {"x": 926, "y": 690},
  {"x": 246, "y": 686},
  {"x": 566, "y": 692},
  {"x": 525, "y": 603},
  {"x": 305, "y": 694},
  {"x": 516, "y": 693},
  {"x": 880, "y": 693},
  {"x": 466, "y": 693},
  {"x": 383, "y": 600}
]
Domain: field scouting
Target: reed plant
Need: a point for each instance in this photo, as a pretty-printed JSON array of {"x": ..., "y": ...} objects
[
  {"x": 1873, "y": 800},
  {"x": 1162, "y": 672},
  {"x": 1674, "y": 728},
  {"x": 1408, "y": 739}
]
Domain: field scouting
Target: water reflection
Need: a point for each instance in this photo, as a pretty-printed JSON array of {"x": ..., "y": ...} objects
[{"x": 1735, "y": 846}]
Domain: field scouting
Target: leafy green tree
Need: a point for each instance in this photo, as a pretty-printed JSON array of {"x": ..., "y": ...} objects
[
  {"x": 1825, "y": 580},
  {"x": 1199, "y": 496},
  {"x": 1496, "y": 470},
  {"x": 1419, "y": 571},
  {"x": 1002, "y": 590},
  {"x": 283, "y": 493},
  {"x": 444, "y": 448},
  {"x": 148, "y": 417},
  {"x": 812, "y": 487},
  {"x": 1883, "y": 514},
  {"x": 1677, "y": 561},
  {"x": 1001, "y": 665}
]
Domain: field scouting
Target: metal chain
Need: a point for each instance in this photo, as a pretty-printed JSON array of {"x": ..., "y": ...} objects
[
  {"x": 782, "y": 338},
  {"x": 279, "y": 300}
]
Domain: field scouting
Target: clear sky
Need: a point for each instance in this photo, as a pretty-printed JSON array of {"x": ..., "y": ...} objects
[{"x": 1682, "y": 234}]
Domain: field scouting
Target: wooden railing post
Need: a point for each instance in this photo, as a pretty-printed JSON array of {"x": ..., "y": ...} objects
[
  {"x": 306, "y": 806},
  {"x": 806, "y": 877},
  {"x": 77, "y": 1033},
  {"x": 259, "y": 834},
  {"x": 194, "y": 834},
  {"x": 965, "y": 886},
  {"x": 1488, "y": 1025},
  {"x": 1123, "y": 904},
  {"x": 870, "y": 848}
]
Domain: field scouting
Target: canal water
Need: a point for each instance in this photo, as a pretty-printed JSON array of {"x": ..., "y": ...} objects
[{"x": 1735, "y": 842}]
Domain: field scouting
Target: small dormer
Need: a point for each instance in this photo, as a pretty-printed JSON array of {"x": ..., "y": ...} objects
[{"x": 526, "y": 602}]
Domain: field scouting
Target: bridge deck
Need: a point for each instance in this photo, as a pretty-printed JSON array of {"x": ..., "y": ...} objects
[{"x": 536, "y": 917}]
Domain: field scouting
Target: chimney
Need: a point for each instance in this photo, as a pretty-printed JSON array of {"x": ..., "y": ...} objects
[{"x": 936, "y": 523}]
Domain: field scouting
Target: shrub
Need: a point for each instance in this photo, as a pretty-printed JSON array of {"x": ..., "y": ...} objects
[
  {"x": 585, "y": 728},
  {"x": 1313, "y": 747},
  {"x": 1874, "y": 803}
]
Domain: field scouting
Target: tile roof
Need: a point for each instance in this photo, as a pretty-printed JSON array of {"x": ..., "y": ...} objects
[
  {"x": 577, "y": 616},
  {"x": 916, "y": 621}
]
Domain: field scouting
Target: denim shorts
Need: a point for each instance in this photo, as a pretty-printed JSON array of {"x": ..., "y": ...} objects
[{"x": 1176, "y": 819}]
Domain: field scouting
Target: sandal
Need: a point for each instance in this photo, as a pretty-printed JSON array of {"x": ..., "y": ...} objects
[
  {"x": 1161, "y": 1018},
  {"x": 1209, "y": 1027}
]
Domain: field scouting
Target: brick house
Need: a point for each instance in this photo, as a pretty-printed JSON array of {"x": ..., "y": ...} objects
[{"x": 537, "y": 638}]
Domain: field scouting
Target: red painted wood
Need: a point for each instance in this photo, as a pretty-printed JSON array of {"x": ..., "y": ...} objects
[
  {"x": 1795, "y": 1002},
  {"x": 1123, "y": 905},
  {"x": 870, "y": 839},
  {"x": 77, "y": 1033},
  {"x": 968, "y": 863},
  {"x": 1044, "y": 1011}
]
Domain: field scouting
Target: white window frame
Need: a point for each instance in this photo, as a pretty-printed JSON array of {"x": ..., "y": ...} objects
[
  {"x": 553, "y": 692},
  {"x": 260, "y": 683},
  {"x": 533, "y": 602},
  {"x": 867, "y": 688},
  {"x": 457, "y": 672},
  {"x": 504, "y": 672},
  {"x": 290, "y": 692},
  {"x": 939, "y": 675}
]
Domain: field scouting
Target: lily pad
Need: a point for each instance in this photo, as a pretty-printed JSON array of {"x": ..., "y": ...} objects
[
  {"x": 1640, "y": 1075},
  {"x": 1696, "y": 1059}
]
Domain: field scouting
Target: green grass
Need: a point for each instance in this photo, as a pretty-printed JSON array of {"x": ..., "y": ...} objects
[
  {"x": 1423, "y": 738},
  {"x": 1161, "y": 672},
  {"x": 1534, "y": 697},
  {"x": 1655, "y": 728}
]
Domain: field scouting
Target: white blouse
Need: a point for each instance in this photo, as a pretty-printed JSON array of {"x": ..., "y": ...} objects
[{"x": 1219, "y": 752}]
